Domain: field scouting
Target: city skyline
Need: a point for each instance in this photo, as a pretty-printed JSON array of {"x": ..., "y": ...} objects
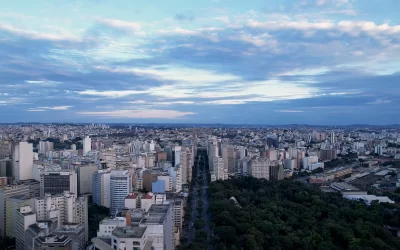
[{"x": 317, "y": 62}]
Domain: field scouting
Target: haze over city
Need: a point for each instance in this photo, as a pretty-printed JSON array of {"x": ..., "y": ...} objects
[{"x": 211, "y": 61}]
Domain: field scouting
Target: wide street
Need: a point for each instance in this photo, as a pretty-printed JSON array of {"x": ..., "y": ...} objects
[{"x": 198, "y": 196}]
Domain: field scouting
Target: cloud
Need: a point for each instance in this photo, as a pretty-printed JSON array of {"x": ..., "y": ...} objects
[
  {"x": 43, "y": 82},
  {"x": 55, "y": 108},
  {"x": 182, "y": 74},
  {"x": 119, "y": 24},
  {"x": 110, "y": 93},
  {"x": 289, "y": 111},
  {"x": 36, "y": 110},
  {"x": 354, "y": 28},
  {"x": 184, "y": 16},
  {"x": 34, "y": 35},
  {"x": 140, "y": 114}
]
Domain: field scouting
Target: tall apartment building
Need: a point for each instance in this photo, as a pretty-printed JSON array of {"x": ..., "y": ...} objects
[
  {"x": 25, "y": 217},
  {"x": 120, "y": 187},
  {"x": 101, "y": 187},
  {"x": 87, "y": 145},
  {"x": 13, "y": 204},
  {"x": 178, "y": 178},
  {"x": 178, "y": 213},
  {"x": 23, "y": 161},
  {"x": 39, "y": 229},
  {"x": 5, "y": 193},
  {"x": 85, "y": 180},
  {"x": 109, "y": 157},
  {"x": 66, "y": 207},
  {"x": 177, "y": 150},
  {"x": 58, "y": 181},
  {"x": 218, "y": 169},
  {"x": 213, "y": 152},
  {"x": 259, "y": 168},
  {"x": 150, "y": 160},
  {"x": 45, "y": 146},
  {"x": 229, "y": 158},
  {"x": 159, "y": 222},
  {"x": 186, "y": 164},
  {"x": 309, "y": 160},
  {"x": 167, "y": 182},
  {"x": 276, "y": 172}
]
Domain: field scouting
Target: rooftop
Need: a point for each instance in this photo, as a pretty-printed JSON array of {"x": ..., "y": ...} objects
[
  {"x": 129, "y": 232},
  {"x": 131, "y": 196}
]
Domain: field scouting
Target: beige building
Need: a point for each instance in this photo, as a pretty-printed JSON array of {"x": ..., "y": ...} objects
[{"x": 259, "y": 168}]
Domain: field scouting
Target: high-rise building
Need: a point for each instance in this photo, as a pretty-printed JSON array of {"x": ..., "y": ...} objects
[
  {"x": 178, "y": 214},
  {"x": 85, "y": 180},
  {"x": 276, "y": 172},
  {"x": 158, "y": 186},
  {"x": 45, "y": 146},
  {"x": 120, "y": 187},
  {"x": 25, "y": 217},
  {"x": 87, "y": 145},
  {"x": 5, "y": 193},
  {"x": 167, "y": 181},
  {"x": 13, "y": 204},
  {"x": 101, "y": 188},
  {"x": 309, "y": 160},
  {"x": 212, "y": 151},
  {"x": 218, "y": 169},
  {"x": 259, "y": 168},
  {"x": 333, "y": 139},
  {"x": 177, "y": 155},
  {"x": 39, "y": 229},
  {"x": 229, "y": 158},
  {"x": 109, "y": 157},
  {"x": 58, "y": 182},
  {"x": 147, "y": 180},
  {"x": 150, "y": 160},
  {"x": 66, "y": 207},
  {"x": 23, "y": 161},
  {"x": 186, "y": 163}
]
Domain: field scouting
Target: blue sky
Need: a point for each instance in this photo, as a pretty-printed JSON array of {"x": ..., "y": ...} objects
[{"x": 209, "y": 61}]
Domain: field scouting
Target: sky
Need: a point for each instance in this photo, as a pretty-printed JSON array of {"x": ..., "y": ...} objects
[{"x": 322, "y": 62}]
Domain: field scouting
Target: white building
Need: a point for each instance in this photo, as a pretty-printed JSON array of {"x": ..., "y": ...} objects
[
  {"x": 120, "y": 187},
  {"x": 132, "y": 201},
  {"x": 178, "y": 179},
  {"x": 314, "y": 166},
  {"x": 147, "y": 201},
  {"x": 110, "y": 158},
  {"x": 309, "y": 160},
  {"x": 66, "y": 207},
  {"x": 107, "y": 226},
  {"x": 178, "y": 155},
  {"x": 23, "y": 161},
  {"x": 45, "y": 146},
  {"x": 87, "y": 145},
  {"x": 259, "y": 168},
  {"x": 218, "y": 168}
]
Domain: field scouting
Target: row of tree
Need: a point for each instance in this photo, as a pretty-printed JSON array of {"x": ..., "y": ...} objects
[{"x": 291, "y": 215}]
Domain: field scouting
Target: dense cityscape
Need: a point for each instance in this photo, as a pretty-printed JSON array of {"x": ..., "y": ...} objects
[
  {"x": 199, "y": 125},
  {"x": 105, "y": 186}
]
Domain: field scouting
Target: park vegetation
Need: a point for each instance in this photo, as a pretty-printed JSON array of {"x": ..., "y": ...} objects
[{"x": 290, "y": 215}]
